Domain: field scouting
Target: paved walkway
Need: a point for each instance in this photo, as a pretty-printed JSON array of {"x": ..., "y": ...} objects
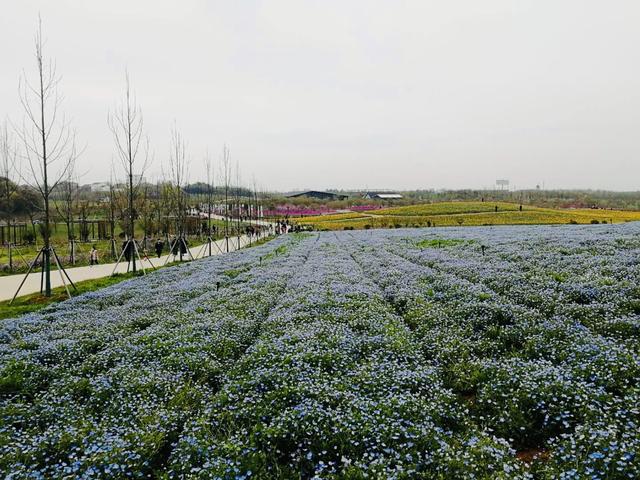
[{"x": 9, "y": 284}]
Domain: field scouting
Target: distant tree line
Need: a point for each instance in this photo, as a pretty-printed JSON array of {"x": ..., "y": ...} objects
[{"x": 541, "y": 198}]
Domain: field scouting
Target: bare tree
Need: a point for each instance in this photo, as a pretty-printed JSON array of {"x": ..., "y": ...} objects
[
  {"x": 256, "y": 208},
  {"x": 127, "y": 126},
  {"x": 8, "y": 171},
  {"x": 67, "y": 194},
  {"x": 178, "y": 171},
  {"x": 238, "y": 201},
  {"x": 210, "y": 186},
  {"x": 47, "y": 138},
  {"x": 112, "y": 216},
  {"x": 225, "y": 173},
  {"x": 146, "y": 209},
  {"x": 161, "y": 208},
  {"x": 165, "y": 207}
]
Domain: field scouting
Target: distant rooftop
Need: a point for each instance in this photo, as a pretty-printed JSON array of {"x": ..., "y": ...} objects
[
  {"x": 320, "y": 195},
  {"x": 383, "y": 195}
]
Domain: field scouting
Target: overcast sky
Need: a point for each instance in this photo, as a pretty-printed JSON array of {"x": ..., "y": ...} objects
[{"x": 353, "y": 94}]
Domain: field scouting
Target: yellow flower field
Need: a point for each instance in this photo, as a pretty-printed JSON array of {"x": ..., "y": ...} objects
[
  {"x": 448, "y": 208},
  {"x": 465, "y": 214}
]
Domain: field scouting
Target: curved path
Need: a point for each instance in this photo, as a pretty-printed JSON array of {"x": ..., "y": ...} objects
[{"x": 10, "y": 283}]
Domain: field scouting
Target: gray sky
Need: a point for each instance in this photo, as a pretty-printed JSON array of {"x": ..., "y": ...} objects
[{"x": 353, "y": 94}]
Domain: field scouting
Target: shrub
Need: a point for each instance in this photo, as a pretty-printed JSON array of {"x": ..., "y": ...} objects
[{"x": 29, "y": 237}]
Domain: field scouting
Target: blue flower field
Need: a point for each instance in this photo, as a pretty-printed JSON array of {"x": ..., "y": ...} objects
[{"x": 441, "y": 353}]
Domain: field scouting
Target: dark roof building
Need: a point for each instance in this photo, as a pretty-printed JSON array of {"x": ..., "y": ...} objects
[{"x": 320, "y": 195}]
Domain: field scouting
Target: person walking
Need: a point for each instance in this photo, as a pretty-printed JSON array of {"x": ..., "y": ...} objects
[
  {"x": 93, "y": 256},
  {"x": 159, "y": 246},
  {"x": 126, "y": 247}
]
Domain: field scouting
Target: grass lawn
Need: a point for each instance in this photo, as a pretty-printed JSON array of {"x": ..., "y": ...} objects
[{"x": 24, "y": 254}]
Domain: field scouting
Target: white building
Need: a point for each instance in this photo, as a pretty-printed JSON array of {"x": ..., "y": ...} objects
[
  {"x": 382, "y": 196},
  {"x": 99, "y": 187}
]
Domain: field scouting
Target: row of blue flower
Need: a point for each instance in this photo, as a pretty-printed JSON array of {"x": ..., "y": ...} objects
[
  {"x": 100, "y": 386},
  {"x": 506, "y": 352}
]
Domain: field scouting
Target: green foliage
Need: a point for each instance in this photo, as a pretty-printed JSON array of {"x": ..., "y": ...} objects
[
  {"x": 440, "y": 242},
  {"x": 18, "y": 377},
  {"x": 559, "y": 277},
  {"x": 234, "y": 272}
]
